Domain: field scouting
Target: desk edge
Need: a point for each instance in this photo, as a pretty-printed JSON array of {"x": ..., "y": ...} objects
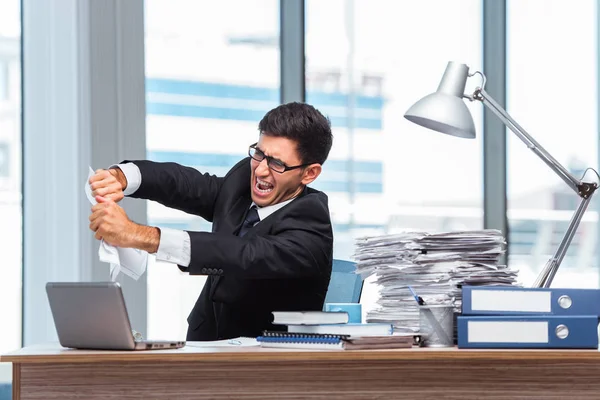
[{"x": 283, "y": 356}]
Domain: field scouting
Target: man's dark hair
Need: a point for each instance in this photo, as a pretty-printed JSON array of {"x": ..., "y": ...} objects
[{"x": 303, "y": 124}]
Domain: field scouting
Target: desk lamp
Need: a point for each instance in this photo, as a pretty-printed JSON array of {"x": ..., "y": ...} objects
[{"x": 444, "y": 111}]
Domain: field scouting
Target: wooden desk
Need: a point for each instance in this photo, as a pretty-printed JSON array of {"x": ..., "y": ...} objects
[{"x": 51, "y": 372}]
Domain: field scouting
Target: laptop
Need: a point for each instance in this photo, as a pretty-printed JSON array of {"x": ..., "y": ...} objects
[{"x": 92, "y": 315}]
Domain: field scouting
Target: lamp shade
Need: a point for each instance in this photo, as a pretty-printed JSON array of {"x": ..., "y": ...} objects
[{"x": 445, "y": 111}]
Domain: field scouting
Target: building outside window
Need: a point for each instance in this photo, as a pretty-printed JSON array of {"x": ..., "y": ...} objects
[{"x": 10, "y": 180}]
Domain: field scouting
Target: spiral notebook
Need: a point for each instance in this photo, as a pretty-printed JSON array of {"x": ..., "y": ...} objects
[
  {"x": 301, "y": 340},
  {"x": 332, "y": 342}
]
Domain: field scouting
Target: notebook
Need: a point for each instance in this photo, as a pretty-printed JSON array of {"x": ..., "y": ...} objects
[
  {"x": 300, "y": 341},
  {"x": 333, "y": 342}
]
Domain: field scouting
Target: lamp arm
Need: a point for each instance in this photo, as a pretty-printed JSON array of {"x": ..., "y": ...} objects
[
  {"x": 565, "y": 175},
  {"x": 546, "y": 277},
  {"x": 585, "y": 190}
]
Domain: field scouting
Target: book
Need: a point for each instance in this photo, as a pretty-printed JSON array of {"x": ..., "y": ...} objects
[
  {"x": 368, "y": 329},
  {"x": 378, "y": 342},
  {"x": 309, "y": 317}
]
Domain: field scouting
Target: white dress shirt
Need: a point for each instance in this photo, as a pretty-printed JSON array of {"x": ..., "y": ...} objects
[{"x": 174, "y": 245}]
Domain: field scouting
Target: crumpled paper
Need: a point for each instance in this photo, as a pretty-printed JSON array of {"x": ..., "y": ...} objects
[{"x": 132, "y": 262}]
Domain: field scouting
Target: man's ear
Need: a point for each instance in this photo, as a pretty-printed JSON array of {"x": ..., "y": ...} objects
[{"x": 311, "y": 173}]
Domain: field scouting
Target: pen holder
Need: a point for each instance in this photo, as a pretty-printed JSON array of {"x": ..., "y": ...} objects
[{"x": 436, "y": 325}]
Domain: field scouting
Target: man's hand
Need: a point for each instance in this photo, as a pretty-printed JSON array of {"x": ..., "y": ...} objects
[
  {"x": 108, "y": 183},
  {"x": 111, "y": 224}
]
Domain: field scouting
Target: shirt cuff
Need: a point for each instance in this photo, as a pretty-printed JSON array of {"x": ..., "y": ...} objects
[
  {"x": 132, "y": 175},
  {"x": 174, "y": 247}
]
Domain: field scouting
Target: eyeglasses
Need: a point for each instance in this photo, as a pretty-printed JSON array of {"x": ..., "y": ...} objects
[{"x": 273, "y": 163}]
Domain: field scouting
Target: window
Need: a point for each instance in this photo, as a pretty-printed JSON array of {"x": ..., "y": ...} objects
[
  {"x": 212, "y": 72},
  {"x": 366, "y": 65},
  {"x": 4, "y": 79},
  {"x": 551, "y": 93},
  {"x": 10, "y": 178}
]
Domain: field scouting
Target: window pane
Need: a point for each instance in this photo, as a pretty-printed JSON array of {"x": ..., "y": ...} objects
[
  {"x": 10, "y": 177},
  {"x": 368, "y": 61},
  {"x": 212, "y": 72},
  {"x": 552, "y": 84}
]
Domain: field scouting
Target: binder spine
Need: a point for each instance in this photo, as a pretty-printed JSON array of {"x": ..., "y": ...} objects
[
  {"x": 502, "y": 300},
  {"x": 506, "y": 332}
]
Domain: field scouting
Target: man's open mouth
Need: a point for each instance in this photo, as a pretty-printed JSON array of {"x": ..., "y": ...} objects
[{"x": 263, "y": 186}]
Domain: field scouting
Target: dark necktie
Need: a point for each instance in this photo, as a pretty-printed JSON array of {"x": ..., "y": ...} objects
[{"x": 251, "y": 219}]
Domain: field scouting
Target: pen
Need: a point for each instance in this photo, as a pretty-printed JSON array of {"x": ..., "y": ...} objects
[{"x": 419, "y": 299}]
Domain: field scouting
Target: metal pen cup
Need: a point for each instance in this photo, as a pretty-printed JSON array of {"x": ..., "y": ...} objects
[{"x": 436, "y": 325}]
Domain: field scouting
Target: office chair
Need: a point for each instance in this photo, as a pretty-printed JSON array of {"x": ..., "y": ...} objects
[
  {"x": 5, "y": 391},
  {"x": 345, "y": 286}
]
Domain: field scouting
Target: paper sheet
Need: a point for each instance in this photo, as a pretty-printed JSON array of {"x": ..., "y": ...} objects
[
  {"x": 237, "y": 342},
  {"x": 132, "y": 262}
]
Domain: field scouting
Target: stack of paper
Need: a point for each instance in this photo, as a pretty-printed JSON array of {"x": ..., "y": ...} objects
[{"x": 434, "y": 265}]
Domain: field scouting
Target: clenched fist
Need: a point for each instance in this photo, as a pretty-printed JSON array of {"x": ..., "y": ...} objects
[
  {"x": 110, "y": 222},
  {"x": 108, "y": 183}
]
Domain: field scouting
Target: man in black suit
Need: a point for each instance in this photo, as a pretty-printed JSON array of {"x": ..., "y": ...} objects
[{"x": 271, "y": 243}]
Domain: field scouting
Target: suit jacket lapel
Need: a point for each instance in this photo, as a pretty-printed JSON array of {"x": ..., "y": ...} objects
[{"x": 235, "y": 219}]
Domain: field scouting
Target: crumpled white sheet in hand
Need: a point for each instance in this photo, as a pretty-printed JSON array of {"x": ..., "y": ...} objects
[{"x": 132, "y": 262}]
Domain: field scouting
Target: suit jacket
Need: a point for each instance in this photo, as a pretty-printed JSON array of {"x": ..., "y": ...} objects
[{"x": 282, "y": 264}]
